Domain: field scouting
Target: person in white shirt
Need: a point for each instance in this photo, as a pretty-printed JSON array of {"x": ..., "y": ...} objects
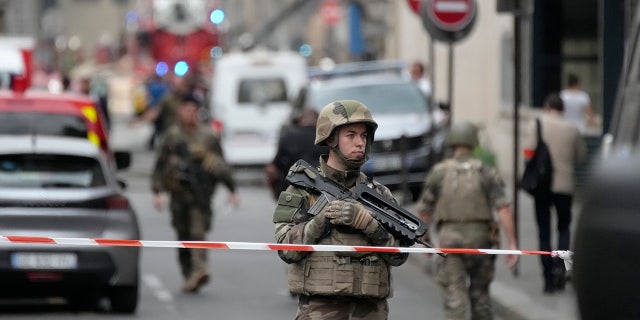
[
  {"x": 418, "y": 76},
  {"x": 577, "y": 104}
]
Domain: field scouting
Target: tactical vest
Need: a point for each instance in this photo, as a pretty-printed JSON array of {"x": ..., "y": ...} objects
[
  {"x": 175, "y": 177},
  {"x": 462, "y": 196},
  {"x": 353, "y": 274}
]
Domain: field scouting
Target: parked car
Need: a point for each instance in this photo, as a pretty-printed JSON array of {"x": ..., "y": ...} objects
[
  {"x": 408, "y": 140},
  {"x": 46, "y": 113},
  {"x": 606, "y": 246},
  {"x": 65, "y": 187},
  {"x": 251, "y": 99}
]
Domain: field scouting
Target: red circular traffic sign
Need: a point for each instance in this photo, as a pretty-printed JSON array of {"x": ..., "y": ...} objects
[
  {"x": 331, "y": 11},
  {"x": 448, "y": 20},
  {"x": 451, "y": 15},
  {"x": 414, "y": 5}
]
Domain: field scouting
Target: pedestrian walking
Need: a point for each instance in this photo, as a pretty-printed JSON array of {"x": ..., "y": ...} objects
[
  {"x": 165, "y": 112},
  {"x": 296, "y": 142},
  {"x": 338, "y": 285},
  {"x": 419, "y": 77},
  {"x": 577, "y": 104},
  {"x": 567, "y": 149},
  {"x": 189, "y": 165},
  {"x": 459, "y": 198},
  {"x": 156, "y": 88}
]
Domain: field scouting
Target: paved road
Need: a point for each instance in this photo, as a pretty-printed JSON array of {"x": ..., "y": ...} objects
[
  {"x": 245, "y": 284},
  {"x": 251, "y": 285}
]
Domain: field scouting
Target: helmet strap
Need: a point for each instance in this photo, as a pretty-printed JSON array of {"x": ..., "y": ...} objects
[{"x": 351, "y": 164}]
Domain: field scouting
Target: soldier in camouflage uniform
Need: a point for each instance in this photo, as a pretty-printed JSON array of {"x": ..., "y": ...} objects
[
  {"x": 338, "y": 285},
  {"x": 189, "y": 165},
  {"x": 459, "y": 197}
]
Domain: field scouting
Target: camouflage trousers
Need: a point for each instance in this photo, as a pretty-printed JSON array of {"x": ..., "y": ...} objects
[
  {"x": 465, "y": 279},
  {"x": 341, "y": 308},
  {"x": 191, "y": 224}
]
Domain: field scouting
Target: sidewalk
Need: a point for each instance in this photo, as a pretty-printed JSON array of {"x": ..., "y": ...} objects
[{"x": 520, "y": 297}]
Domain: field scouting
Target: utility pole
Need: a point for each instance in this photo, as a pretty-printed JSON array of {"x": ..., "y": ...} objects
[{"x": 517, "y": 97}]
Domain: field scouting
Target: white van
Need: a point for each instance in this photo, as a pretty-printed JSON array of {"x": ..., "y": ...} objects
[{"x": 251, "y": 99}]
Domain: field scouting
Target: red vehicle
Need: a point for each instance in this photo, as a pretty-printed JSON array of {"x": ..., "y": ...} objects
[
  {"x": 179, "y": 34},
  {"x": 44, "y": 113}
]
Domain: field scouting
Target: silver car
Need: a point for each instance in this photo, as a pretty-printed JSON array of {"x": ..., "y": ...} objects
[
  {"x": 66, "y": 187},
  {"x": 408, "y": 140}
]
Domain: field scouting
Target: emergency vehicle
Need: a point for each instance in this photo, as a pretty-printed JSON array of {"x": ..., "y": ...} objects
[{"x": 44, "y": 113}]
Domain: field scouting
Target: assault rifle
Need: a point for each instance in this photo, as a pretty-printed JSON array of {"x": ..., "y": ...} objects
[
  {"x": 194, "y": 178},
  {"x": 396, "y": 220}
]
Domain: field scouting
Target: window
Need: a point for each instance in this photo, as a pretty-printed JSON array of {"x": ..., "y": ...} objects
[
  {"x": 50, "y": 171},
  {"x": 262, "y": 90},
  {"x": 379, "y": 98},
  {"x": 44, "y": 124}
]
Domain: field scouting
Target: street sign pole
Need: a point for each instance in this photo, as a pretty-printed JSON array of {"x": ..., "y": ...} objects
[
  {"x": 516, "y": 124},
  {"x": 448, "y": 21}
]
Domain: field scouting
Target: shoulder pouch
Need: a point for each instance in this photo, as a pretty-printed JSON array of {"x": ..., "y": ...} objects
[{"x": 288, "y": 205}]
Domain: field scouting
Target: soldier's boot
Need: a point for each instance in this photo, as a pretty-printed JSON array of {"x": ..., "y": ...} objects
[{"x": 200, "y": 274}]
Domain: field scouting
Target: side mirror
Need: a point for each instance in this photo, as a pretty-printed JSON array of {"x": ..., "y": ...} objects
[
  {"x": 122, "y": 184},
  {"x": 123, "y": 159}
]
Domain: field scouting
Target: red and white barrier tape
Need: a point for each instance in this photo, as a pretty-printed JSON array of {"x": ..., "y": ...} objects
[{"x": 565, "y": 255}]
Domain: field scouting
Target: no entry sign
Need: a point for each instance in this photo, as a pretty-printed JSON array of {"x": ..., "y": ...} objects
[{"x": 448, "y": 20}]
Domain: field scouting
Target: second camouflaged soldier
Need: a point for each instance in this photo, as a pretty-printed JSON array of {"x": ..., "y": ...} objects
[
  {"x": 459, "y": 197},
  {"x": 189, "y": 165},
  {"x": 338, "y": 285}
]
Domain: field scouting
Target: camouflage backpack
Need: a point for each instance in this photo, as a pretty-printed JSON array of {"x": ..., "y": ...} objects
[{"x": 462, "y": 193}]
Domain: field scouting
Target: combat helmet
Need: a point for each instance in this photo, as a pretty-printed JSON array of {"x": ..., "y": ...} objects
[
  {"x": 463, "y": 134},
  {"x": 343, "y": 112},
  {"x": 339, "y": 113}
]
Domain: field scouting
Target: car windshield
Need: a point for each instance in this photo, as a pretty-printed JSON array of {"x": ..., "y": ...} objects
[
  {"x": 50, "y": 171},
  {"x": 379, "y": 98},
  {"x": 262, "y": 90},
  {"x": 43, "y": 124}
]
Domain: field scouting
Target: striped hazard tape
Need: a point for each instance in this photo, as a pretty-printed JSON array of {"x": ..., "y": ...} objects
[{"x": 565, "y": 255}]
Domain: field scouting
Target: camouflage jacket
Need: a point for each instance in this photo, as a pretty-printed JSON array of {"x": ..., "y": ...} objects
[
  {"x": 290, "y": 218},
  {"x": 439, "y": 199},
  {"x": 203, "y": 151}
]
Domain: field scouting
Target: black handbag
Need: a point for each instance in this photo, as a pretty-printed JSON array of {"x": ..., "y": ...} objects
[{"x": 538, "y": 171}]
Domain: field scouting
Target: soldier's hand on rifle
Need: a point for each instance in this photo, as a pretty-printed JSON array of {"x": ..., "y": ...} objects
[{"x": 351, "y": 213}]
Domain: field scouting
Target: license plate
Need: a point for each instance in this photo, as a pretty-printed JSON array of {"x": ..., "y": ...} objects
[
  {"x": 384, "y": 163},
  {"x": 33, "y": 260}
]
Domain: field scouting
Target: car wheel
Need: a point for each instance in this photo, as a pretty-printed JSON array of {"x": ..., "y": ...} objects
[{"x": 124, "y": 299}]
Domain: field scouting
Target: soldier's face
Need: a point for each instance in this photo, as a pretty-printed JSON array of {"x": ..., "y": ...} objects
[
  {"x": 352, "y": 140},
  {"x": 188, "y": 113}
]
